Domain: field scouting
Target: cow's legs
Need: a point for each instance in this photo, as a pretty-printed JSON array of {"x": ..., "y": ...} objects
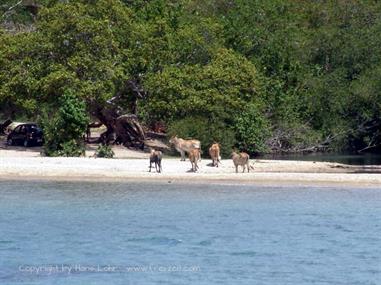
[
  {"x": 182, "y": 155},
  {"x": 194, "y": 166}
]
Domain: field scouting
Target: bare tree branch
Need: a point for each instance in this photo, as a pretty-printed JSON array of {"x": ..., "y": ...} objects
[{"x": 11, "y": 8}]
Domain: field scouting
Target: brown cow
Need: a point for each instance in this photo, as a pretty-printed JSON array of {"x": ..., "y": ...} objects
[
  {"x": 214, "y": 152},
  {"x": 242, "y": 159},
  {"x": 183, "y": 146},
  {"x": 194, "y": 156}
]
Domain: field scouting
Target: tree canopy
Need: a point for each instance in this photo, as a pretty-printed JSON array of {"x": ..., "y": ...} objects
[{"x": 273, "y": 75}]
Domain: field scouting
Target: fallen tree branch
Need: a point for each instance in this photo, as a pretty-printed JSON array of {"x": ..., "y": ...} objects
[
  {"x": 11, "y": 8},
  {"x": 369, "y": 147}
]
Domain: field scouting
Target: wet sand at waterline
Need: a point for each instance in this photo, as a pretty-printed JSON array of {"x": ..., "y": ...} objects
[{"x": 27, "y": 164}]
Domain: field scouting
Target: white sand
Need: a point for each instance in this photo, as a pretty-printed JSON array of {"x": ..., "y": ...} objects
[{"x": 132, "y": 165}]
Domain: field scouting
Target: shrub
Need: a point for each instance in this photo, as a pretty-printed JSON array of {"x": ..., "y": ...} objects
[
  {"x": 252, "y": 130},
  {"x": 104, "y": 151},
  {"x": 64, "y": 130},
  {"x": 71, "y": 148}
]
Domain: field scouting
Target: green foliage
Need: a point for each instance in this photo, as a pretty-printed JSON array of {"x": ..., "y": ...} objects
[
  {"x": 289, "y": 72},
  {"x": 252, "y": 130},
  {"x": 64, "y": 130},
  {"x": 72, "y": 148},
  {"x": 205, "y": 130},
  {"x": 77, "y": 44},
  {"x": 216, "y": 89},
  {"x": 85, "y": 42},
  {"x": 104, "y": 151}
]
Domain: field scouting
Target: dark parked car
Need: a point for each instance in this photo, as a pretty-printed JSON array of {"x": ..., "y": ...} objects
[{"x": 25, "y": 134}]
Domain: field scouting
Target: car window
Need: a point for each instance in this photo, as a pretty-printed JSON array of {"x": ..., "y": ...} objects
[{"x": 17, "y": 129}]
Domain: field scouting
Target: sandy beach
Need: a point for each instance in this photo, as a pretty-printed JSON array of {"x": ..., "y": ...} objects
[{"x": 21, "y": 163}]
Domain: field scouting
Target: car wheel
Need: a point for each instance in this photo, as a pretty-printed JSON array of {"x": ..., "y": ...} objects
[
  {"x": 9, "y": 142},
  {"x": 26, "y": 143}
]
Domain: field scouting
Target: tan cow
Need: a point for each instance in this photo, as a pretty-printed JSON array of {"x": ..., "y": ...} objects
[
  {"x": 194, "y": 156},
  {"x": 214, "y": 152},
  {"x": 242, "y": 159},
  {"x": 184, "y": 146}
]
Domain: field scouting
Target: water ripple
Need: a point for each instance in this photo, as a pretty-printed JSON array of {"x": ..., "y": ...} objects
[{"x": 157, "y": 240}]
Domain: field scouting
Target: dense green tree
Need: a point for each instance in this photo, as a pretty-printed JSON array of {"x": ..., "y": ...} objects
[
  {"x": 82, "y": 45},
  {"x": 215, "y": 92},
  {"x": 275, "y": 75}
]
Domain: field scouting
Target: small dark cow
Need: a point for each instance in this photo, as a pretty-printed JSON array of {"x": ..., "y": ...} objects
[{"x": 155, "y": 157}]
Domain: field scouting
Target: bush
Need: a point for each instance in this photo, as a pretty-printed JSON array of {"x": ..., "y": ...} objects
[
  {"x": 252, "y": 130},
  {"x": 104, "y": 151},
  {"x": 72, "y": 148},
  {"x": 207, "y": 131},
  {"x": 64, "y": 130}
]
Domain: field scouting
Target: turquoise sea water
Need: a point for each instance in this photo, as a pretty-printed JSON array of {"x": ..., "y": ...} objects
[{"x": 139, "y": 233}]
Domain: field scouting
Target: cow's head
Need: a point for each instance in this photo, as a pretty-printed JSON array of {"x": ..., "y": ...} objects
[{"x": 173, "y": 139}]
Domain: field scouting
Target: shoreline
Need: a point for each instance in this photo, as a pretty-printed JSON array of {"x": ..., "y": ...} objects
[
  {"x": 266, "y": 172},
  {"x": 269, "y": 183}
]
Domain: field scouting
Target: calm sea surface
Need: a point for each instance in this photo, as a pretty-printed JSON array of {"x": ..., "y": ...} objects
[{"x": 120, "y": 233}]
